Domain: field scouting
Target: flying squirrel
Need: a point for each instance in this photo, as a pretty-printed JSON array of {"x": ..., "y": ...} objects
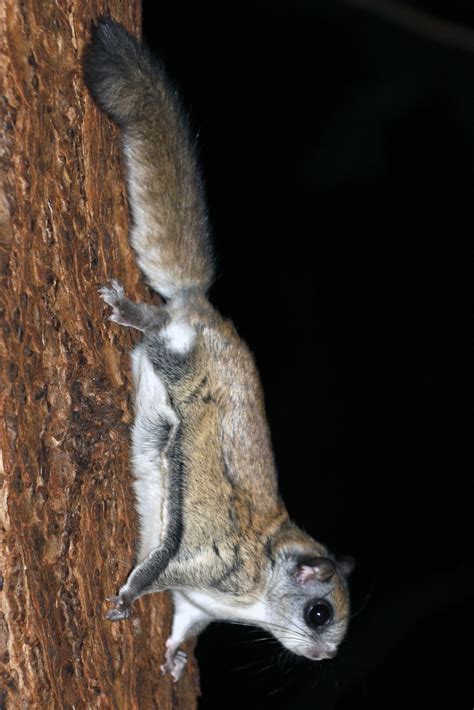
[{"x": 213, "y": 528}]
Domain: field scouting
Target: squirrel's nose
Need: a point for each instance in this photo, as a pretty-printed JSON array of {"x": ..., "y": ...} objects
[{"x": 322, "y": 654}]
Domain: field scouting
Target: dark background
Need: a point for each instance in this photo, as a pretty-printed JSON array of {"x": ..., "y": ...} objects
[{"x": 338, "y": 154}]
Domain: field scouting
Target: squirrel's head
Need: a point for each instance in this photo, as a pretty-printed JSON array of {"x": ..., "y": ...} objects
[{"x": 307, "y": 601}]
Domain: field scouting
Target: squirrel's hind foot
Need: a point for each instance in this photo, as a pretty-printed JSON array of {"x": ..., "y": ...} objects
[{"x": 132, "y": 315}]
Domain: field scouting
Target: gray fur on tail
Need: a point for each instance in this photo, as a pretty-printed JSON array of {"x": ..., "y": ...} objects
[{"x": 170, "y": 231}]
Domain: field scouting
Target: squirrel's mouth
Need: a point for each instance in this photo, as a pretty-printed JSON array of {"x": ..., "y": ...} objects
[{"x": 320, "y": 653}]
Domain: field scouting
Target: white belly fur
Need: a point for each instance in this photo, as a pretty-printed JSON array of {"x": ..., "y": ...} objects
[
  {"x": 149, "y": 465},
  {"x": 216, "y": 607}
]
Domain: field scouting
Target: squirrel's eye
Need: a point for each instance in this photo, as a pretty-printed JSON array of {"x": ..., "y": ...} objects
[{"x": 318, "y": 614}]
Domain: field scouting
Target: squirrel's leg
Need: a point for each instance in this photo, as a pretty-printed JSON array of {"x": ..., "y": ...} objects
[
  {"x": 144, "y": 579},
  {"x": 134, "y": 315},
  {"x": 188, "y": 621},
  {"x": 159, "y": 571}
]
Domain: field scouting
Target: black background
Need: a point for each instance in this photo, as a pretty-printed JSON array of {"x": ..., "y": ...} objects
[{"x": 338, "y": 154}]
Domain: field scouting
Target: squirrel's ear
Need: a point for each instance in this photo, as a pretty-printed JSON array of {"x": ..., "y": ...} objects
[
  {"x": 309, "y": 569},
  {"x": 346, "y": 565}
]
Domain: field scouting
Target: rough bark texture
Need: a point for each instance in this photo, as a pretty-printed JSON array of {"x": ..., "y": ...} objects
[{"x": 68, "y": 517}]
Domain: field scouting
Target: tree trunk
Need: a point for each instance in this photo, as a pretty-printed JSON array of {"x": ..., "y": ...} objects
[{"x": 68, "y": 518}]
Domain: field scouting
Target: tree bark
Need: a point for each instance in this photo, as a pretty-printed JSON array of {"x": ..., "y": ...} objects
[{"x": 68, "y": 519}]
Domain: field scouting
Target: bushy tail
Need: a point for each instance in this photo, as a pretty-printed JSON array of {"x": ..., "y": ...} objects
[{"x": 170, "y": 231}]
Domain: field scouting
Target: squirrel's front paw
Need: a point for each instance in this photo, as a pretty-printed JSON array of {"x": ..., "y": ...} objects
[
  {"x": 175, "y": 660},
  {"x": 120, "y": 611}
]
